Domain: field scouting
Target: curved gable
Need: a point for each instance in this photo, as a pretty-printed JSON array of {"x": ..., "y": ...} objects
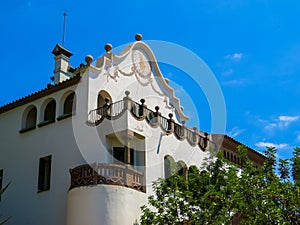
[{"x": 137, "y": 59}]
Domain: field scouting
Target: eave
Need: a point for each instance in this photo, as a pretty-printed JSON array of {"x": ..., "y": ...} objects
[{"x": 39, "y": 94}]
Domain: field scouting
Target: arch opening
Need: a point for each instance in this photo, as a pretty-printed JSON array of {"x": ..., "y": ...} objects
[
  {"x": 101, "y": 98},
  {"x": 168, "y": 166},
  {"x": 29, "y": 119},
  {"x": 49, "y": 113},
  {"x": 69, "y": 104}
]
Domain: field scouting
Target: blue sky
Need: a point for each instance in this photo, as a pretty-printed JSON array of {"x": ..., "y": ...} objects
[{"x": 252, "y": 47}]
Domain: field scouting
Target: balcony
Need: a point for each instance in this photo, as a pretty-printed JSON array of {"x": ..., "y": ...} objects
[
  {"x": 140, "y": 112},
  {"x": 110, "y": 174}
]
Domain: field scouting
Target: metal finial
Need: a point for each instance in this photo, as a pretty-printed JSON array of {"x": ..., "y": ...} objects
[{"x": 64, "y": 28}]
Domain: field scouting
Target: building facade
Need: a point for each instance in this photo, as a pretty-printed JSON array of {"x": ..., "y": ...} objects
[{"x": 86, "y": 149}]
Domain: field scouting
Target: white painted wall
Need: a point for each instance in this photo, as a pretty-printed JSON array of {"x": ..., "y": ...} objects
[
  {"x": 71, "y": 142},
  {"x": 104, "y": 205},
  {"x": 19, "y": 157}
]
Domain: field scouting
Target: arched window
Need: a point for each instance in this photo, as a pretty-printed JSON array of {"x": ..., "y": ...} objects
[
  {"x": 69, "y": 104},
  {"x": 182, "y": 169},
  {"x": 168, "y": 164},
  {"x": 29, "y": 119},
  {"x": 101, "y": 98},
  {"x": 49, "y": 113}
]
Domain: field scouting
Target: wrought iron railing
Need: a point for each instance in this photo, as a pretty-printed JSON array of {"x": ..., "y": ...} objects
[
  {"x": 154, "y": 118},
  {"x": 112, "y": 174},
  {"x": 109, "y": 111}
]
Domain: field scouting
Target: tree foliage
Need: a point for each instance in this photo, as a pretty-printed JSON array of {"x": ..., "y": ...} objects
[
  {"x": 296, "y": 166},
  {"x": 222, "y": 193}
]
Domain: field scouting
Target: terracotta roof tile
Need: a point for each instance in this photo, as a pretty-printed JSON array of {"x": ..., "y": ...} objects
[{"x": 41, "y": 93}]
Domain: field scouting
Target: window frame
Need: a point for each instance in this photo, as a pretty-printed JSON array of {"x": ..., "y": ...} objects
[
  {"x": 25, "y": 118},
  {"x": 119, "y": 161},
  {"x": 65, "y": 114},
  {"x": 48, "y": 110},
  {"x": 44, "y": 173}
]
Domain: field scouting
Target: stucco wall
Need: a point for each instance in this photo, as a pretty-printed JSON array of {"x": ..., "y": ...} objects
[
  {"x": 19, "y": 158},
  {"x": 104, "y": 205}
]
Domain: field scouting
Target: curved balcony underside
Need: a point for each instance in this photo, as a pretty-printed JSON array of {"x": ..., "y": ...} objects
[{"x": 110, "y": 174}]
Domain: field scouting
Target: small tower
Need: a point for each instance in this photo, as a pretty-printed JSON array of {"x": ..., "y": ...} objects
[{"x": 62, "y": 58}]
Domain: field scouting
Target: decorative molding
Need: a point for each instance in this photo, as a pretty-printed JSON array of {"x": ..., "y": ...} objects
[{"x": 145, "y": 69}]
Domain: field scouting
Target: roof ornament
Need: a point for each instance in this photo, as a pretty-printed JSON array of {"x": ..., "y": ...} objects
[
  {"x": 138, "y": 37},
  {"x": 108, "y": 47},
  {"x": 64, "y": 29},
  {"x": 89, "y": 59}
]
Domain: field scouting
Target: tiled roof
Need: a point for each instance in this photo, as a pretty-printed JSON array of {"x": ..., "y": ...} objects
[
  {"x": 239, "y": 143},
  {"x": 41, "y": 93}
]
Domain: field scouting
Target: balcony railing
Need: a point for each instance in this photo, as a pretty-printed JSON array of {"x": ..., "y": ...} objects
[
  {"x": 154, "y": 118},
  {"x": 111, "y": 174}
]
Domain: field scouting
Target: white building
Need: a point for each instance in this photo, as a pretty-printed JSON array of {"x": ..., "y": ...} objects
[{"x": 86, "y": 150}]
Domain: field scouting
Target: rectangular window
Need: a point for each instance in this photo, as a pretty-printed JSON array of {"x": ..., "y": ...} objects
[
  {"x": 119, "y": 155},
  {"x": 44, "y": 174},
  {"x": 132, "y": 157},
  {"x": 1, "y": 180}
]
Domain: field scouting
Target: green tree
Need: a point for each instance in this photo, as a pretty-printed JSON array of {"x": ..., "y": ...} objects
[
  {"x": 222, "y": 193},
  {"x": 284, "y": 169},
  {"x": 296, "y": 166}
]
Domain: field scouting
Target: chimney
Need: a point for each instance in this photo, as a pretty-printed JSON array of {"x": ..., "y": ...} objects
[{"x": 62, "y": 58}]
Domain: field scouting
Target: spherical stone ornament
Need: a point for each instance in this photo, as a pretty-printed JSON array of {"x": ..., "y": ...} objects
[
  {"x": 89, "y": 59},
  {"x": 108, "y": 47},
  {"x": 127, "y": 93},
  {"x": 138, "y": 37}
]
